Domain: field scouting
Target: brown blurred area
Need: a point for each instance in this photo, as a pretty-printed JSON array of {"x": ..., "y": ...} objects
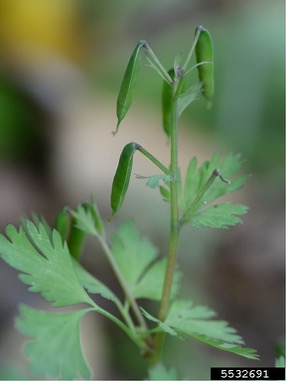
[{"x": 61, "y": 63}]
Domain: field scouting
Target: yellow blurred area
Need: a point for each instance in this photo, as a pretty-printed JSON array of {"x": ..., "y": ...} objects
[{"x": 40, "y": 26}]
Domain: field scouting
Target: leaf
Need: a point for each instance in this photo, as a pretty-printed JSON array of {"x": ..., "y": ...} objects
[
  {"x": 122, "y": 177},
  {"x": 196, "y": 179},
  {"x": 136, "y": 257},
  {"x": 186, "y": 319},
  {"x": 159, "y": 372},
  {"x": 219, "y": 216},
  {"x": 150, "y": 286},
  {"x": 88, "y": 219},
  {"x": 195, "y": 321},
  {"x": 93, "y": 285},
  {"x": 132, "y": 253},
  {"x": 127, "y": 87},
  {"x": 162, "y": 325},
  {"x": 45, "y": 264},
  {"x": 188, "y": 97},
  {"x": 153, "y": 181},
  {"x": 54, "y": 348},
  {"x": 206, "y": 184},
  {"x": 165, "y": 193},
  {"x": 280, "y": 362}
]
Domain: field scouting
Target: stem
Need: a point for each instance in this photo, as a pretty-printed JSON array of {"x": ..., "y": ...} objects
[
  {"x": 197, "y": 35},
  {"x": 174, "y": 232},
  {"x": 154, "y": 161},
  {"x": 123, "y": 284},
  {"x": 157, "y": 63}
]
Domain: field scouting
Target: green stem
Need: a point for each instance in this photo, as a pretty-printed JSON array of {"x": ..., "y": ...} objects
[
  {"x": 120, "y": 324},
  {"x": 123, "y": 284},
  {"x": 174, "y": 233},
  {"x": 155, "y": 161},
  {"x": 197, "y": 35},
  {"x": 157, "y": 63}
]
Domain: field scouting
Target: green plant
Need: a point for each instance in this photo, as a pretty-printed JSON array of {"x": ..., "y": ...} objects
[{"x": 49, "y": 258}]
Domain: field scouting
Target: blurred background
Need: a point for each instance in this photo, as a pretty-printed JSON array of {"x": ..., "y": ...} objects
[{"x": 61, "y": 67}]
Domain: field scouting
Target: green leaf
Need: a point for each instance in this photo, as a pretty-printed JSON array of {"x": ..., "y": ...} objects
[
  {"x": 196, "y": 179},
  {"x": 162, "y": 325},
  {"x": 126, "y": 91},
  {"x": 219, "y": 216},
  {"x": 194, "y": 321},
  {"x": 150, "y": 286},
  {"x": 45, "y": 264},
  {"x": 54, "y": 348},
  {"x": 153, "y": 181},
  {"x": 206, "y": 184},
  {"x": 93, "y": 285},
  {"x": 136, "y": 258},
  {"x": 88, "y": 219},
  {"x": 159, "y": 372},
  {"x": 188, "y": 97},
  {"x": 186, "y": 319},
  {"x": 280, "y": 362},
  {"x": 132, "y": 252},
  {"x": 165, "y": 193}
]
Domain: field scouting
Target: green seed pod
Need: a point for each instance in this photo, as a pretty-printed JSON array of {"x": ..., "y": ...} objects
[
  {"x": 127, "y": 87},
  {"x": 204, "y": 53},
  {"x": 122, "y": 176},
  {"x": 62, "y": 223},
  {"x": 167, "y": 99},
  {"x": 76, "y": 240}
]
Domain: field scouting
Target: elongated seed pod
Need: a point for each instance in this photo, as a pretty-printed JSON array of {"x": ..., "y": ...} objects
[
  {"x": 122, "y": 177},
  {"x": 127, "y": 87},
  {"x": 62, "y": 223},
  {"x": 204, "y": 53},
  {"x": 76, "y": 240},
  {"x": 167, "y": 99}
]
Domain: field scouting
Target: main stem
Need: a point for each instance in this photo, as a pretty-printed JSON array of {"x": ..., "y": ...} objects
[{"x": 174, "y": 232}]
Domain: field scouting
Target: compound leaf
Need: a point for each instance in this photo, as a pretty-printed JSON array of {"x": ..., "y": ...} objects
[
  {"x": 219, "y": 216},
  {"x": 208, "y": 183},
  {"x": 44, "y": 262},
  {"x": 136, "y": 257},
  {"x": 88, "y": 219},
  {"x": 93, "y": 285},
  {"x": 196, "y": 321},
  {"x": 150, "y": 286},
  {"x": 54, "y": 348}
]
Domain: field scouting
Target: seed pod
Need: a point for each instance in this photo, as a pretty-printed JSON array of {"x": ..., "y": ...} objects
[
  {"x": 204, "y": 53},
  {"x": 62, "y": 223},
  {"x": 122, "y": 176},
  {"x": 167, "y": 99},
  {"x": 127, "y": 87},
  {"x": 76, "y": 240}
]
